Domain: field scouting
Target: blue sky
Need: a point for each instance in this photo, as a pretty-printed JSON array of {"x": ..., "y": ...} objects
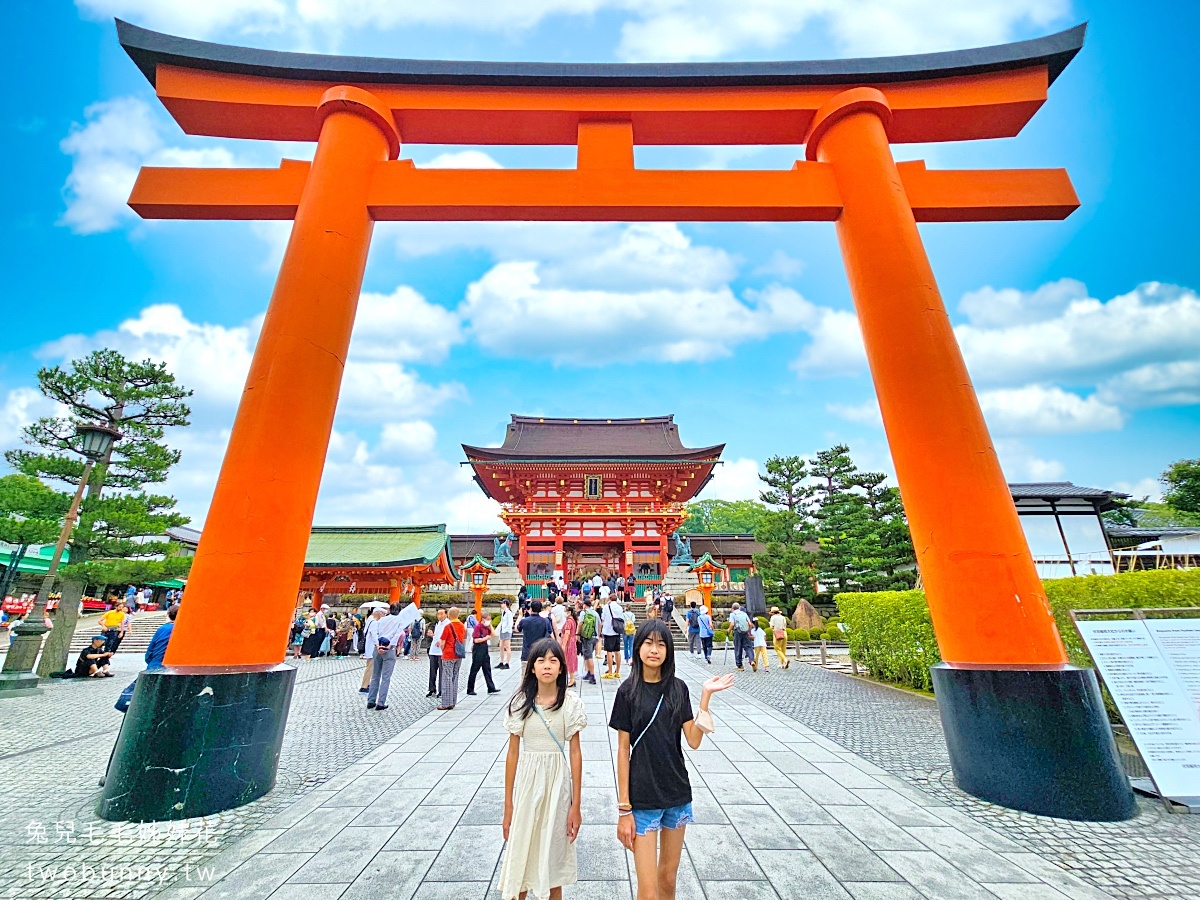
[{"x": 1083, "y": 336}]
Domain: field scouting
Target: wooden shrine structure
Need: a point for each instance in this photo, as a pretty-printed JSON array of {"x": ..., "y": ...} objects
[
  {"x": 592, "y": 495},
  {"x": 376, "y": 560}
]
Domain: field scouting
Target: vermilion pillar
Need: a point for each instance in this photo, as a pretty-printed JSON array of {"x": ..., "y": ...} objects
[
  {"x": 985, "y": 597},
  {"x": 261, "y": 515},
  {"x": 1023, "y": 728},
  {"x": 224, "y": 698}
]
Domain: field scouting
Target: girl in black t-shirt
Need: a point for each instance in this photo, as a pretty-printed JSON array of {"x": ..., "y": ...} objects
[{"x": 652, "y": 712}]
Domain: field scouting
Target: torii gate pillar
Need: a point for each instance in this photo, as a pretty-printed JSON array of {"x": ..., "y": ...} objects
[{"x": 261, "y": 515}]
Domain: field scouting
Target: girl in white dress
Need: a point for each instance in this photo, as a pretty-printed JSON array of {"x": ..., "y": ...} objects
[{"x": 542, "y": 779}]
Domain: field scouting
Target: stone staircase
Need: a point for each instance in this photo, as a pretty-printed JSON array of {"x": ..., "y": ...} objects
[{"x": 141, "y": 629}]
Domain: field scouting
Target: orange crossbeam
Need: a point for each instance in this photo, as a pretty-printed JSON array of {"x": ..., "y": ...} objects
[
  {"x": 220, "y": 104},
  {"x": 401, "y": 192}
]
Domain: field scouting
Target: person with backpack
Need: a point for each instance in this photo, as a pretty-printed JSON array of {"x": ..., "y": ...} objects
[
  {"x": 652, "y": 715},
  {"x": 739, "y": 625},
  {"x": 613, "y": 631},
  {"x": 693, "y": 623},
  {"x": 630, "y": 631},
  {"x": 589, "y": 627},
  {"x": 706, "y": 633}
]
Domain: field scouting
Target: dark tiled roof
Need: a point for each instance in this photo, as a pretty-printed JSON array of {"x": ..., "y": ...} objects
[
  {"x": 1065, "y": 490},
  {"x": 534, "y": 438},
  {"x": 468, "y": 546}
]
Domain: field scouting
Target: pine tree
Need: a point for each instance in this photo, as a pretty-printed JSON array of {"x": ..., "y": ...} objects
[
  {"x": 138, "y": 399},
  {"x": 888, "y": 560},
  {"x": 786, "y": 564}
]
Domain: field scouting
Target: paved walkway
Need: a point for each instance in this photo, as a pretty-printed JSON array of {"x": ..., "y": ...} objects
[{"x": 782, "y": 812}]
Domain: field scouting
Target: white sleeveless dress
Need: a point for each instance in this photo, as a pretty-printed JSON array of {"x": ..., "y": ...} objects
[{"x": 539, "y": 856}]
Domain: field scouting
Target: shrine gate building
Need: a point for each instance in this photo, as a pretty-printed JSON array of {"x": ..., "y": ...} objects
[{"x": 587, "y": 496}]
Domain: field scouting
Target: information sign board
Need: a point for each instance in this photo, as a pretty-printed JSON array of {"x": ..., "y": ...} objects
[{"x": 1150, "y": 684}]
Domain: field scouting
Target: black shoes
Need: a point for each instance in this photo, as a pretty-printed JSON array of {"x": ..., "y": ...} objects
[
  {"x": 493, "y": 690},
  {"x": 364, "y": 690},
  {"x": 380, "y": 708},
  {"x": 371, "y": 706},
  {"x": 431, "y": 694},
  {"x": 470, "y": 693}
]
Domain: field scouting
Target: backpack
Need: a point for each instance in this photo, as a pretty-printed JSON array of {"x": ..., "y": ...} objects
[
  {"x": 630, "y": 626},
  {"x": 587, "y": 630},
  {"x": 740, "y": 628},
  {"x": 694, "y": 619}
]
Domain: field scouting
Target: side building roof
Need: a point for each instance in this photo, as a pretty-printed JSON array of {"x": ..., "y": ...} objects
[{"x": 377, "y": 547}]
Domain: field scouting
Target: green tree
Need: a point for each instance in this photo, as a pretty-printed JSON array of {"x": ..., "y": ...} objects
[
  {"x": 140, "y": 400},
  {"x": 842, "y": 519},
  {"x": 887, "y": 557},
  {"x": 1182, "y": 481},
  {"x": 786, "y": 483},
  {"x": 109, "y": 543},
  {"x": 723, "y": 517},
  {"x": 30, "y": 513},
  {"x": 787, "y": 565}
]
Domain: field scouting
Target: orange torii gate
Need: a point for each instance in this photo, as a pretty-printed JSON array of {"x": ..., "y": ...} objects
[{"x": 1023, "y": 727}]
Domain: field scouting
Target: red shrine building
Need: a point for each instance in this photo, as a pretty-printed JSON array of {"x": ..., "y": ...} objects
[{"x": 592, "y": 495}]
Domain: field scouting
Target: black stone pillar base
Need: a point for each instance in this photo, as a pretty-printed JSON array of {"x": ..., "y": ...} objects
[
  {"x": 197, "y": 741},
  {"x": 18, "y": 678},
  {"x": 1034, "y": 740}
]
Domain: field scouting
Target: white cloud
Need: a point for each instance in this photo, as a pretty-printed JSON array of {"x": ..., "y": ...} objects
[
  {"x": 695, "y": 324},
  {"x": 462, "y": 159},
  {"x": 1029, "y": 410},
  {"x": 1020, "y": 463},
  {"x": 865, "y": 413},
  {"x": 214, "y": 359},
  {"x": 22, "y": 406},
  {"x": 735, "y": 479},
  {"x": 654, "y": 29},
  {"x": 1152, "y": 324},
  {"x": 990, "y": 307},
  {"x": 835, "y": 347},
  {"x": 403, "y": 326},
  {"x": 1157, "y": 384},
  {"x": 1036, "y": 409},
  {"x": 119, "y": 137},
  {"x": 1149, "y": 488}
]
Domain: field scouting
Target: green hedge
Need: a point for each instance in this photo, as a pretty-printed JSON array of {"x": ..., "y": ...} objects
[
  {"x": 1132, "y": 590},
  {"x": 891, "y": 634}
]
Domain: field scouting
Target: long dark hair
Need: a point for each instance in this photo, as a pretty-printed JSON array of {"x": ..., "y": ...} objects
[
  {"x": 672, "y": 693},
  {"x": 526, "y": 694}
]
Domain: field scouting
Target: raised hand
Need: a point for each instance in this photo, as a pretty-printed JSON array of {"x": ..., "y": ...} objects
[{"x": 718, "y": 683}]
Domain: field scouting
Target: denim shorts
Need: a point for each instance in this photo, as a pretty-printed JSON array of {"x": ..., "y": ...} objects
[{"x": 647, "y": 820}]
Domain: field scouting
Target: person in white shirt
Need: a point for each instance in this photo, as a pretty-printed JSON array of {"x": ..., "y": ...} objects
[
  {"x": 389, "y": 632},
  {"x": 612, "y": 617},
  {"x": 505, "y": 632},
  {"x": 435, "y": 652},
  {"x": 596, "y": 582},
  {"x": 369, "y": 647},
  {"x": 558, "y": 616}
]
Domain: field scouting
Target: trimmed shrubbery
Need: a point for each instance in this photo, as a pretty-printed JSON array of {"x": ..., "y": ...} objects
[{"x": 890, "y": 632}]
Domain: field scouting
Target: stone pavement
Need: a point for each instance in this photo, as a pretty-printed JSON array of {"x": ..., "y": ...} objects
[
  {"x": 1155, "y": 854},
  {"x": 781, "y": 812},
  {"x": 55, "y": 746}
]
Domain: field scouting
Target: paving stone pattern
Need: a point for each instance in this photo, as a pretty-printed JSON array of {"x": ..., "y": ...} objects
[
  {"x": 1156, "y": 854},
  {"x": 782, "y": 812},
  {"x": 54, "y": 748}
]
